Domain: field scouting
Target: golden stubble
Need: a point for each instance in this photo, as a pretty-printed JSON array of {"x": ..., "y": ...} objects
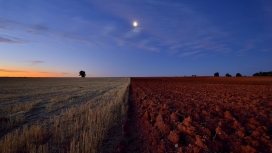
[{"x": 69, "y": 116}]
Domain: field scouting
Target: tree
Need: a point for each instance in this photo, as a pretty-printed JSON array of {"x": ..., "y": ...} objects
[
  {"x": 216, "y": 74},
  {"x": 238, "y": 74},
  {"x": 263, "y": 73},
  {"x": 82, "y": 74},
  {"x": 228, "y": 75}
]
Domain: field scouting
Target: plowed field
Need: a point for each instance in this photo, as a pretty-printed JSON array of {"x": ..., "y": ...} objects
[{"x": 199, "y": 114}]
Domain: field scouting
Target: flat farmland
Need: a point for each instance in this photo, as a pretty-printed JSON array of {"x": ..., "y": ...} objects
[
  {"x": 199, "y": 114},
  {"x": 59, "y": 114}
]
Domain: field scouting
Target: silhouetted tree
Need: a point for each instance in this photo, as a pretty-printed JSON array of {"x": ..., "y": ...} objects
[
  {"x": 263, "y": 73},
  {"x": 238, "y": 75},
  {"x": 82, "y": 74},
  {"x": 216, "y": 74},
  {"x": 228, "y": 75}
]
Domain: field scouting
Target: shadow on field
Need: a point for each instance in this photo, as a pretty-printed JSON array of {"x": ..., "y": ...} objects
[{"x": 122, "y": 136}]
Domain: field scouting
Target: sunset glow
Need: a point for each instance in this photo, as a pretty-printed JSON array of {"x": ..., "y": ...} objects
[{"x": 17, "y": 73}]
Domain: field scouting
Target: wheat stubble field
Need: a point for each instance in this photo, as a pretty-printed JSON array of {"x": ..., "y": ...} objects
[{"x": 60, "y": 114}]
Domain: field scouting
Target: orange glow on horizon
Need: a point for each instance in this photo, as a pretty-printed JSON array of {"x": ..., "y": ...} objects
[{"x": 30, "y": 74}]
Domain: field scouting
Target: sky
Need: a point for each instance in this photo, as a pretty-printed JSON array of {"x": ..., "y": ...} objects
[{"x": 58, "y": 38}]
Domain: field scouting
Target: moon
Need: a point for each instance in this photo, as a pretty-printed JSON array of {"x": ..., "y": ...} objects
[{"x": 135, "y": 24}]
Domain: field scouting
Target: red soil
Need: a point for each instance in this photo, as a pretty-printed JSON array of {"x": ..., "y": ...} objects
[{"x": 198, "y": 114}]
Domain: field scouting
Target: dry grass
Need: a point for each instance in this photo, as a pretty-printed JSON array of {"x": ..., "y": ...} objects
[
  {"x": 14, "y": 116},
  {"x": 81, "y": 123},
  {"x": 23, "y": 107}
]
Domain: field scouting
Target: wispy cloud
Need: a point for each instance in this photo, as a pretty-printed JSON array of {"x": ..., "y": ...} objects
[
  {"x": 170, "y": 26},
  {"x": 200, "y": 56},
  {"x": 243, "y": 51},
  {"x": 10, "y": 40},
  {"x": 14, "y": 31},
  {"x": 266, "y": 50},
  {"x": 189, "y": 53},
  {"x": 73, "y": 37},
  {"x": 35, "y": 62},
  {"x": 172, "y": 31},
  {"x": 35, "y": 29},
  {"x": 7, "y": 24},
  {"x": 7, "y": 40},
  {"x": 181, "y": 29},
  {"x": 8, "y": 70},
  {"x": 15, "y": 25},
  {"x": 38, "y": 28},
  {"x": 267, "y": 5}
]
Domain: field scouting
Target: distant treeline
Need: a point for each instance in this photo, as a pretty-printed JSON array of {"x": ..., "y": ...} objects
[
  {"x": 263, "y": 73},
  {"x": 240, "y": 75}
]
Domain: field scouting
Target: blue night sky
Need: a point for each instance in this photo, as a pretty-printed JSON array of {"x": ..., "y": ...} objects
[{"x": 58, "y": 38}]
